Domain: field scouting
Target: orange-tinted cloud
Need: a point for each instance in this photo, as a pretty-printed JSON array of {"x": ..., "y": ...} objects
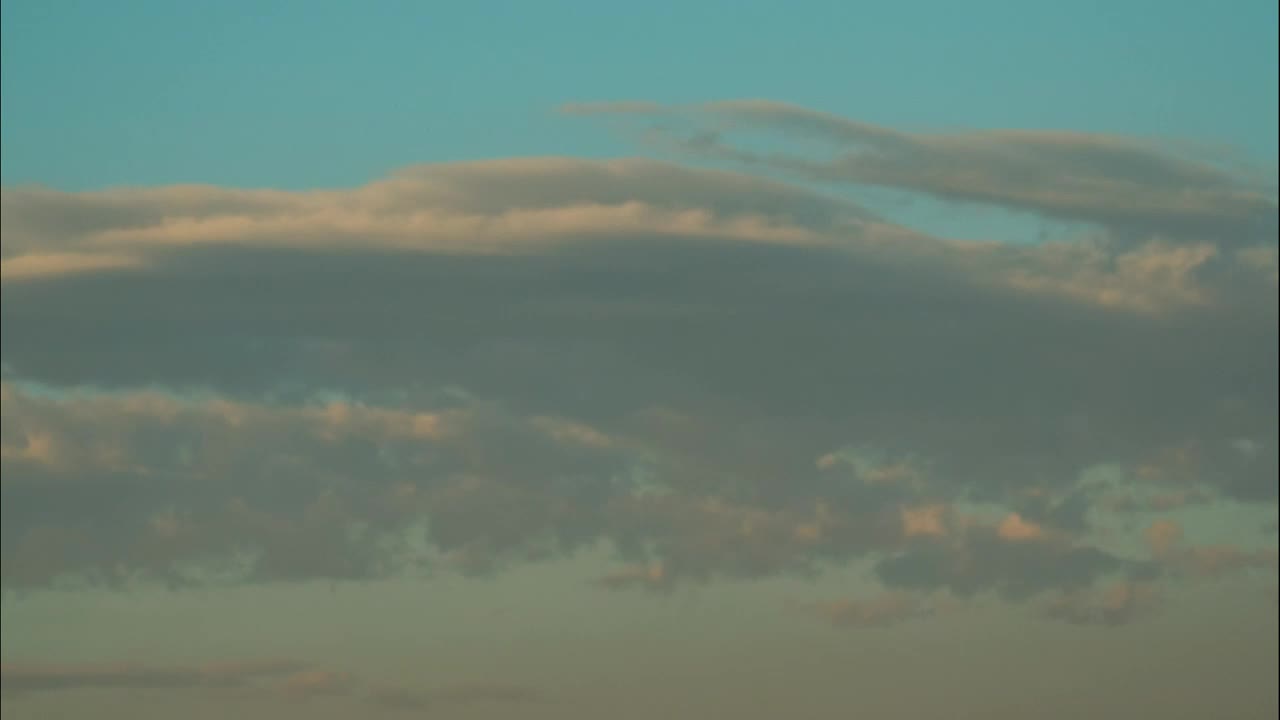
[
  {"x": 924, "y": 521},
  {"x": 1162, "y": 536}
]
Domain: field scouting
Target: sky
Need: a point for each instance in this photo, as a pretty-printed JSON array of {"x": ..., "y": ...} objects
[{"x": 696, "y": 359}]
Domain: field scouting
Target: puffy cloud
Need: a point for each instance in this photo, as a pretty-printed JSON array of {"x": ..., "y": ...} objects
[
  {"x": 1162, "y": 536},
  {"x": 926, "y": 521},
  {"x": 154, "y": 483},
  {"x": 1015, "y": 529}
]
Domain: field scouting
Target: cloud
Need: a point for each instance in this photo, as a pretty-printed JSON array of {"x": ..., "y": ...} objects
[
  {"x": 1165, "y": 539},
  {"x": 256, "y": 679},
  {"x": 1015, "y": 529},
  {"x": 926, "y": 521},
  {"x": 1116, "y": 182},
  {"x": 1216, "y": 560},
  {"x": 411, "y": 700},
  {"x": 320, "y": 490},
  {"x": 986, "y": 559},
  {"x": 653, "y": 575},
  {"x": 1117, "y": 604},
  {"x": 1162, "y": 536},
  {"x": 466, "y": 367},
  {"x": 21, "y": 678},
  {"x": 32, "y": 266},
  {"x": 317, "y": 683},
  {"x": 515, "y": 206},
  {"x": 883, "y": 610}
]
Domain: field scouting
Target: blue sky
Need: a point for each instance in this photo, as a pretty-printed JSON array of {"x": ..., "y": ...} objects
[{"x": 309, "y": 94}]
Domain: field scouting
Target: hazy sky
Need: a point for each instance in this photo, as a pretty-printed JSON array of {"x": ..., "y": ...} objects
[{"x": 688, "y": 360}]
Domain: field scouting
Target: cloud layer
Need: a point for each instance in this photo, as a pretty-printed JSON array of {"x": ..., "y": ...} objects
[{"x": 467, "y": 367}]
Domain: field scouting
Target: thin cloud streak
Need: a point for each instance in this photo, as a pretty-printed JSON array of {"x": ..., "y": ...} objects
[{"x": 1121, "y": 183}]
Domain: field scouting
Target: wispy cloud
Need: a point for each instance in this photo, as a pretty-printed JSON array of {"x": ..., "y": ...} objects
[
  {"x": 1120, "y": 183},
  {"x": 31, "y": 678},
  {"x": 249, "y": 680},
  {"x": 884, "y": 610},
  {"x": 416, "y": 700}
]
